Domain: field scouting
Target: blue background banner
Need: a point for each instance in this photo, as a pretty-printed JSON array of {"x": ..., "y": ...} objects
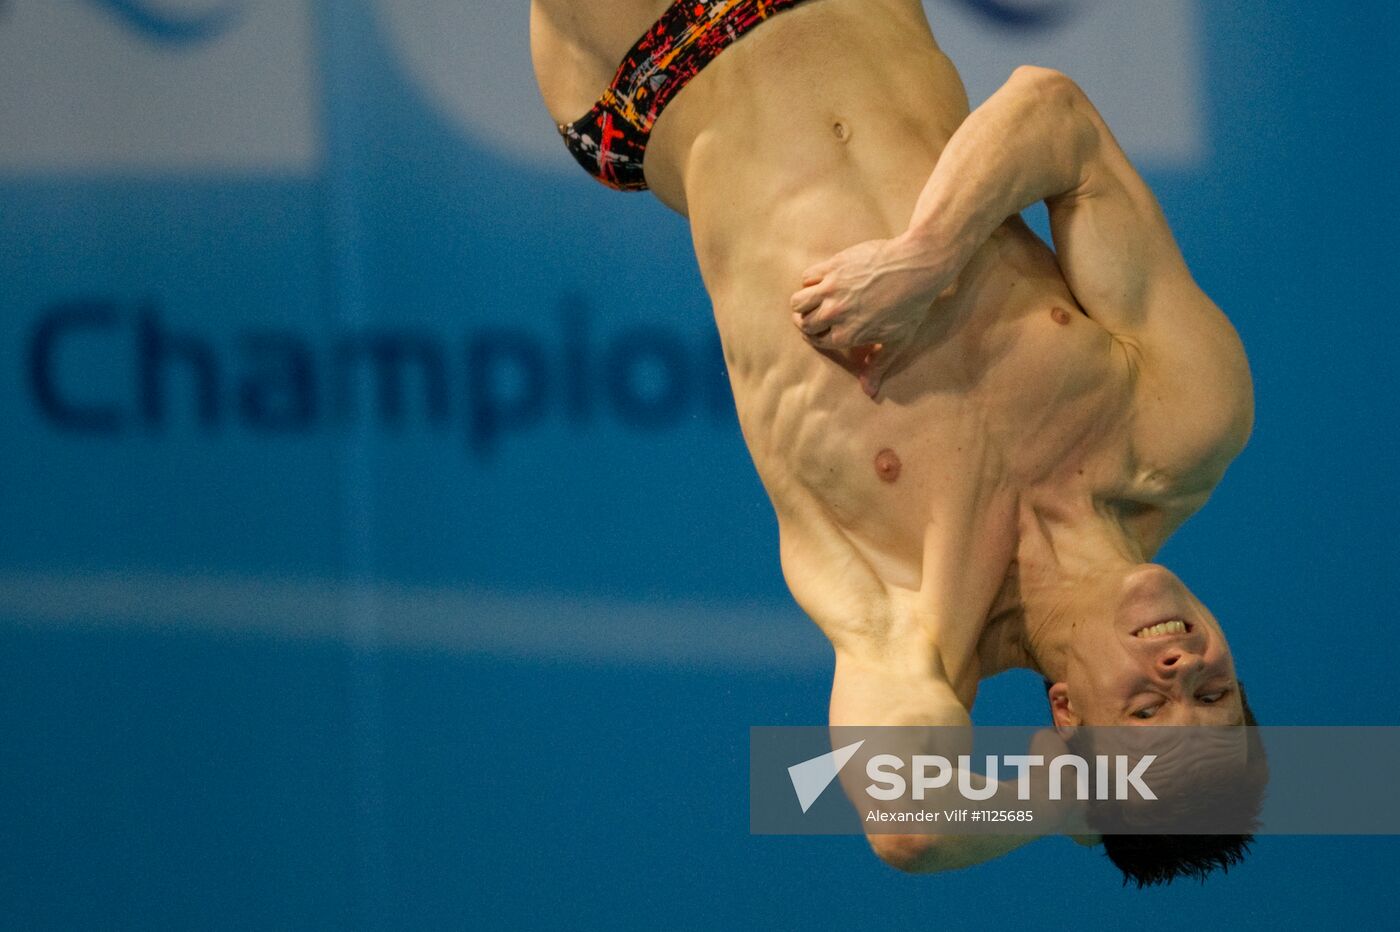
[{"x": 382, "y": 548}]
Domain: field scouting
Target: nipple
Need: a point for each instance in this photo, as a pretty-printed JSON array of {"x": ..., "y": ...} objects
[
  {"x": 1060, "y": 315},
  {"x": 887, "y": 465}
]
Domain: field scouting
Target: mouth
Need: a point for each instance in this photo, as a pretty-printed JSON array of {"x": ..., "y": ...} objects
[{"x": 1161, "y": 629}]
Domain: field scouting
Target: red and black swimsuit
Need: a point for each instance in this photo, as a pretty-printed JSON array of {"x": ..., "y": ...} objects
[{"x": 611, "y": 140}]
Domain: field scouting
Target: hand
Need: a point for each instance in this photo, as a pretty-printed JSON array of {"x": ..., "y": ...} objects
[{"x": 871, "y": 300}]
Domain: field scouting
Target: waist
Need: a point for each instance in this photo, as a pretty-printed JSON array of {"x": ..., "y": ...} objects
[{"x": 845, "y": 78}]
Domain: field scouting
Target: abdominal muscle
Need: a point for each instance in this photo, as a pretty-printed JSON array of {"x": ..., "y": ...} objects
[{"x": 815, "y": 132}]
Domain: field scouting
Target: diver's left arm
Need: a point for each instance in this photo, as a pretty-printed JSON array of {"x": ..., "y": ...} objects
[
  {"x": 1040, "y": 138},
  {"x": 1026, "y": 143}
]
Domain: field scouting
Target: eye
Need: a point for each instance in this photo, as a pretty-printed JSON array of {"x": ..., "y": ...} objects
[
  {"x": 1147, "y": 712},
  {"x": 1212, "y": 698}
]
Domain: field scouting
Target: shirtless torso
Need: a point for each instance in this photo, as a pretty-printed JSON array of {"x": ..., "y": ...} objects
[{"x": 1047, "y": 380}]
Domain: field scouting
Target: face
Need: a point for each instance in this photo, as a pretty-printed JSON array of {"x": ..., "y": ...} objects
[{"x": 1145, "y": 651}]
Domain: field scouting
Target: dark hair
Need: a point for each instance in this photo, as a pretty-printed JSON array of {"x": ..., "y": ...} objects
[{"x": 1150, "y": 860}]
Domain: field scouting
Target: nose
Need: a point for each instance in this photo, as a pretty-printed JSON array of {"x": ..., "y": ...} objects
[{"x": 1178, "y": 662}]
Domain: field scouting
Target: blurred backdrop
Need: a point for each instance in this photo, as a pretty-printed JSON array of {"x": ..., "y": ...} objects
[{"x": 380, "y": 547}]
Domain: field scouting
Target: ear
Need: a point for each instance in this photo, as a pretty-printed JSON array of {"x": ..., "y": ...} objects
[{"x": 1062, "y": 709}]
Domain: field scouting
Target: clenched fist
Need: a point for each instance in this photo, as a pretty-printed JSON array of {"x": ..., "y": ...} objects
[{"x": 871, "y": 300}]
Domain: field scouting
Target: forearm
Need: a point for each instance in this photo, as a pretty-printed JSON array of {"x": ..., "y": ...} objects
[{"x": 1029, "y": 142}]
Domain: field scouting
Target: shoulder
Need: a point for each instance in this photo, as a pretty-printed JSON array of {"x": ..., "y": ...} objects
[{"x": 1192, "y": 397}]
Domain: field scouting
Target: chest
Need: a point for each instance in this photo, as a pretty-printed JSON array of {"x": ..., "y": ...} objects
[
  {"x": 1049, "y": 406},
  {"x": 1054, "y": 392}
]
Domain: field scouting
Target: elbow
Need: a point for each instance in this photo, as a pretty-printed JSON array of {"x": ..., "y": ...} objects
[
  {"x": 910, "y": 854},
  {"x": 1047, "y": 84},
  {"x": 1054, "y": 96},
  {"x": 1053, "y": 90}
]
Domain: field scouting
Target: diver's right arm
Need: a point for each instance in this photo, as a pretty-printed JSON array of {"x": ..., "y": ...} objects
[{"x": 905, "y": 690}]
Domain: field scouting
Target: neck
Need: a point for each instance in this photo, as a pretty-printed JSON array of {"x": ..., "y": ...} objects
[{"x": 1064, "y": 549}]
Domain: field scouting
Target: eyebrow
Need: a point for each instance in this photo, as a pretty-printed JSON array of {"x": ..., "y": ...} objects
[{"x": 1234, "y": 720}]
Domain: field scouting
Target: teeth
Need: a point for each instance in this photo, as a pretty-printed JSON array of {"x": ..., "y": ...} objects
[{"x": 1176, "y": 626}]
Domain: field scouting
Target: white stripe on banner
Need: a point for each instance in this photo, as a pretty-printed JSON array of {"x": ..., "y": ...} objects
[{"x": 580, "y": 630}]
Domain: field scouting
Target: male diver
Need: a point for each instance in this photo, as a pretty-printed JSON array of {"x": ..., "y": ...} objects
[{"x": 974, "y": 444}]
